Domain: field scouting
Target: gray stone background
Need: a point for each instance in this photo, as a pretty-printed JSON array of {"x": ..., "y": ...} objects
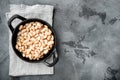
[{"x": 88, "y": 39}]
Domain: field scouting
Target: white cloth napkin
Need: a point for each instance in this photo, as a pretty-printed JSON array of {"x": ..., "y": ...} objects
[{"x": 18, "y": 67}]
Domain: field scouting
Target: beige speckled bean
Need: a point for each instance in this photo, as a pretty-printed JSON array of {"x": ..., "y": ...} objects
[{"x": 34, "y": 40}]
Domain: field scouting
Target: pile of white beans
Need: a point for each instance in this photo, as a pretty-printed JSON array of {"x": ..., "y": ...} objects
[{"x": 34, "y": 40}]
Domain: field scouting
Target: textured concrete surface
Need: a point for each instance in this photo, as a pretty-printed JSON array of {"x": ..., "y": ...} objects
[{"x": 88, "y": 39}]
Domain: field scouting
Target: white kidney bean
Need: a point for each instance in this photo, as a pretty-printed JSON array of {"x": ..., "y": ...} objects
[{"x": 34, "y": 40}]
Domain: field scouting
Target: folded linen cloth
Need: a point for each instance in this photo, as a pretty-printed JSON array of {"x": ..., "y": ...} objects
[{"x": 18, "y": 67}]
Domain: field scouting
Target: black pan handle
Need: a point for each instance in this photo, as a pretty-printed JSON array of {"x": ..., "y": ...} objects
[
  {"x": 12, "y": 18},
  {"x": 55, "y": 59}
]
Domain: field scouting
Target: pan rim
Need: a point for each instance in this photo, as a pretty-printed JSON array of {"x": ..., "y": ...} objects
[{"x": 15, "y": 34}]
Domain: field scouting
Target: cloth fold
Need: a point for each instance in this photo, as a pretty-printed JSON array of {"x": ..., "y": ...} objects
[{"x": 18, "y": 67}]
